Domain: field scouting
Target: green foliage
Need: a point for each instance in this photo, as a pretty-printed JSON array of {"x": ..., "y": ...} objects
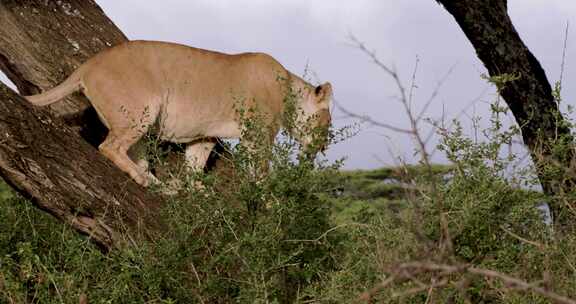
[
  {"x": 262, "y": 238},
  {"x": 491, "y": 223},
  {"x": 304, "y": 232}
]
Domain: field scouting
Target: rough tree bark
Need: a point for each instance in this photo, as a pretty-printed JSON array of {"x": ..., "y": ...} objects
[
  {"x": 47, "y": 162},
  {"x": 488, "y": 26},
  {"x": 41, "y": 42}
]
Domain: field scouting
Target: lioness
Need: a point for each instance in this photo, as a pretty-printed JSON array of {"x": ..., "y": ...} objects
[{"x": 191, "y": 93}]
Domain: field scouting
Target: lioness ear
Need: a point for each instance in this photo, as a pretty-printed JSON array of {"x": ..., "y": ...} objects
[{"x": 323, "y": 91}]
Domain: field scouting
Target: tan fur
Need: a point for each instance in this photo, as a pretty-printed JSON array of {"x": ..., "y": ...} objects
[{"x": 191, "y": 93}]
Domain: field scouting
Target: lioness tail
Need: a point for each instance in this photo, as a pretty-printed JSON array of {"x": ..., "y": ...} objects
[{"x": 70, "y": 85}]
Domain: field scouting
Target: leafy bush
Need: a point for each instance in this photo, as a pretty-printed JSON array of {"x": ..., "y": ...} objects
[
  {"x": 252, "y": 238},
  {"x": 306, "y": 233}
]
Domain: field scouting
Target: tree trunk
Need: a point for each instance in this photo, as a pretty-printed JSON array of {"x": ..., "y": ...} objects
[
  {"x": 60, "y": 173},
  {"x": 489, "y": 28},
  {"x": 41, "y": 43}
]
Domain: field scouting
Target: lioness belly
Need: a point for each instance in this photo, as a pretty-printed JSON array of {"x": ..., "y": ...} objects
[{"x": 183, "y": 132}]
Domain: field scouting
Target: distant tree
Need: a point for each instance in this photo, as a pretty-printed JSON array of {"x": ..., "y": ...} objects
[{"x": 488, "y": 26}]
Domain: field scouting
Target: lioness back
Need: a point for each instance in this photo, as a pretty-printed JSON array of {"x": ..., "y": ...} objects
[{"x": 195, "y": 91}]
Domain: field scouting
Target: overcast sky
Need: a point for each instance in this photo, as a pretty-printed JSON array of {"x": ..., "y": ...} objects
[{"x": 315, "y": 33}]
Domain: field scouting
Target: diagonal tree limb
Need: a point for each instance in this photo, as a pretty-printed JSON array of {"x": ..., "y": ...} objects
[
  {"x": 60, "y": 173},
  {"x": 41, "y": 43}
]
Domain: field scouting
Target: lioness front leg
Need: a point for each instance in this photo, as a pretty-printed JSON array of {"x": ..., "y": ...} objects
[
  {"x": 197, "y": 154},
  {"x": 259, "y": 155}
]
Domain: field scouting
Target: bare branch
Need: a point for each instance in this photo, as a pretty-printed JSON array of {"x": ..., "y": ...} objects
[
  {"x": 445, "y": 243},
  {"x": 524, "y": 240},
  {"x": 435, "y": 92},
  {"x": 368, "y": 119},
  {"x": 563, "y": 65},
  {"x": 390, "y": 71},
  {"x": 444, "y": 272}
]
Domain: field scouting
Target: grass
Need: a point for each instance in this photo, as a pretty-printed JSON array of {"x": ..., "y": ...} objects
[
  {"x": 217, "y": 252},
  {"x": 310, "y": 233}
]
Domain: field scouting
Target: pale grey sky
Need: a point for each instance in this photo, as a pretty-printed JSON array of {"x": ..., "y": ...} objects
[{"x": 314, "y": 33}]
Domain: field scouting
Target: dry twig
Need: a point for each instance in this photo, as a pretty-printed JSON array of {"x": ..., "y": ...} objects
[{"x": 443, "y": 274}]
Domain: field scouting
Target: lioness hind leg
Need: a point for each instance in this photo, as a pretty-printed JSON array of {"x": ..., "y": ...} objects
[
  {"x": 137, "y": 153},
  {"x": 115, "y": 148},
  {"x": 128, "y": 118}
]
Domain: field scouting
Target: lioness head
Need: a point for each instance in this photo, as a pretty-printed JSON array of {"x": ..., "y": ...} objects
[{"x": 314, "y": 119}]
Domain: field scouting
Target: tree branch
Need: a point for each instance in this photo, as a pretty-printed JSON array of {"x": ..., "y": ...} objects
[
  {"x": 443, "y": 274},
  {"x": 45, "y": 161}
]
